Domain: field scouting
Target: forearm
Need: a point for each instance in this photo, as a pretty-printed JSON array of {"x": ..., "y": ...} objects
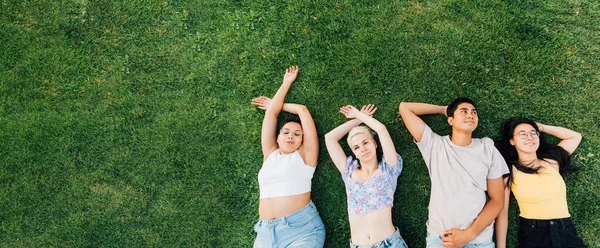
[
  {"x": 339, "y": 132},
  {"x": 559, "y": 132},
  {"x": 373, "y": 123},
  {"x": 293, "y": 108},
  {"x": 422, "y": 108},
  {"x": 277, "y": 101},
  {"x": 501, "y": 228},
  {"x": 488, "y": 214}
]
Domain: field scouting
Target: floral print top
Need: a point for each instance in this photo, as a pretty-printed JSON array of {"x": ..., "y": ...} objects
[{"x": 377, "y": 192}]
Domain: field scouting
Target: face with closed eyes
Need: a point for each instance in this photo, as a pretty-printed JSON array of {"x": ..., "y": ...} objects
[
  {"x": 363, "y": 147},
  {"x": 290, "y": 137},
  {"x": 525, "y": 139}
]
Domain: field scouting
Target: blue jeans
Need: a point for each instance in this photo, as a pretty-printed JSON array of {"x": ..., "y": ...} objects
[
  {"x": 435, "y": 241},
  {"x": 394, "y": 241},
  {"x": 303, "y": 228}
]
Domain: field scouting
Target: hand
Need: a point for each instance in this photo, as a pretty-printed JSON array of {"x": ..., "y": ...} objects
[
  {"x": 369, "y": 109},
  {"x": 262, "y": 102},
  {"x": 290, "y": 74},
  {"x": 540, "y": 126},
  {"x": 456, "y": 238},
  {"x": 446, "y": 111},
  {"x": 349, "y": 111}
]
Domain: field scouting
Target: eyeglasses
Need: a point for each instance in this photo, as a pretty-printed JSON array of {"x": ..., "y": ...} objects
[{"x": 523, "y": 134}]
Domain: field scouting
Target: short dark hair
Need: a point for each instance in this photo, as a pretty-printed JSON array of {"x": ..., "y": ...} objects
[
  {"x": 454, "y": 104},
  {"x": 292, "y": 119},
  {"x": 289, "y": 119}
]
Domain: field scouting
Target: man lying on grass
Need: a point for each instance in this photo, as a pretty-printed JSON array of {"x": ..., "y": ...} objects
[{"x": 461, "y": 169}]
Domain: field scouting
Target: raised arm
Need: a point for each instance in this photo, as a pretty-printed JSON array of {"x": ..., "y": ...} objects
[
  {"x": 410, "y": 112},
  {"x": 569, "y": 139},
  {"x": 387, "y": 145},
  {"x": 269, "y": 125},
  {"x": 337, "y": 154},
  {"x": 309, "y": 151},
  {"x": 263, "y": 102},
  {"x": 501, "y": 226}
]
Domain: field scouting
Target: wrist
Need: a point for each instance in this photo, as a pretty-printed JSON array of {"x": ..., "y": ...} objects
[{"x": 471, "y": 234}]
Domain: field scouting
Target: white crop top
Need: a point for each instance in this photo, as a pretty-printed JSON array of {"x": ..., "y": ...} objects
[{"x": 284, "y": 175}]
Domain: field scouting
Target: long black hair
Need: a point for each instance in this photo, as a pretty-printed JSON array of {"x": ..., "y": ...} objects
[{"x": 544, "y": 151}]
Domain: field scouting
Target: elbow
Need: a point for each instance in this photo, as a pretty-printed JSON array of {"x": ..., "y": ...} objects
[
  {"x": 379, "y": 129},
  {"x": 303, "y": 110},
  {"x": 329, "y": 137},
  {"x": 402, "y": 106},
  {"x": 578, "y": 136},
  {"x": 504, "y": 211}
]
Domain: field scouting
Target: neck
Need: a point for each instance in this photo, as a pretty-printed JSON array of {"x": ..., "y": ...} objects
[
  {"x": 527, "y": 158},
  {"x": 369, "y": 166},
  {"x": 461, "y": 138}
]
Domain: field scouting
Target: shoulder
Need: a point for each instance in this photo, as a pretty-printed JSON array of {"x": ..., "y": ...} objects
[
  {"x": 273, "y": 153},
  {"x": 351, "y": 165},
  {"x": 486, "y": 143},
  {"x": 429, "y": 136}
]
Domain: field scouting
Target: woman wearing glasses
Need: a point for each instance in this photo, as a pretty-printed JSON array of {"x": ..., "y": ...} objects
[
  {"x": 288, "y": 218},
  {"x": 536, "y": 176}
]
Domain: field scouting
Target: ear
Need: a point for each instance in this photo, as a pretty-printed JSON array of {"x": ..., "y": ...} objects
[
  {"x": 450, "y": 120},
  {"x": 512, "y": 142}
]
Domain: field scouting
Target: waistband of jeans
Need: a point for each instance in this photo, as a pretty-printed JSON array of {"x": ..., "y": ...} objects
[
  {"x": 392, "y": 239},
  {"x": 563, "y": 222},
  {"x": 308, "y": 211}
]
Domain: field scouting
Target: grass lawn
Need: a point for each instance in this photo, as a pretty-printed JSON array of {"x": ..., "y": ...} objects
[{"x": 129, "y": 124}]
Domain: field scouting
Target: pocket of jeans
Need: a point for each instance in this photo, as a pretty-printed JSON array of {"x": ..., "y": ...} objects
[
  {"x": 305, "y": 223},
  {"x": 528, "y": 235},
  {"x": 256, "y": 226},
  {"x": 571, "y": 231}
]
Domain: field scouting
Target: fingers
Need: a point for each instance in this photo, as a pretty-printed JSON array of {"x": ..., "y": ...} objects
[
  {"x": 369, "y": 109},
  {"x": 345, "y": 109},
  {"x": 259, "y": 100}
]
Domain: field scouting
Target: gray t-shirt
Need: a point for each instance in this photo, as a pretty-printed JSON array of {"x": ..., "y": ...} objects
[{"x": 458, "y": 181}]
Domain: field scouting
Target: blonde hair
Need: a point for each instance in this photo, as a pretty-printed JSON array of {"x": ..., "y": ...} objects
[{"x": 360, "y": 130}]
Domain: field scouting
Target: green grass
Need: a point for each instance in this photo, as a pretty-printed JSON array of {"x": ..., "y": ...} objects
[{"x": 129, "y": 124}]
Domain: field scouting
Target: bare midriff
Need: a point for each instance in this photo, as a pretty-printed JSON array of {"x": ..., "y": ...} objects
[
  {"x": 372, "y": 227},
  {"x": 273, "y": 208}
]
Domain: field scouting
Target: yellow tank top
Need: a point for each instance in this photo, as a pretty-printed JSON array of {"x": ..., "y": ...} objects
[{"x": 542, "y": 195}]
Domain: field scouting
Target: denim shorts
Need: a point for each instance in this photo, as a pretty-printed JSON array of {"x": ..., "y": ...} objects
[
  {"x": 435, "y": 241},
  {"x": 394, "y": 241},
  {"x": 303, "y": 228}
]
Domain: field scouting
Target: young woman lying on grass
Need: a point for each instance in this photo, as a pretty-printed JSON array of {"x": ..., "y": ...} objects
[
  {"x": 288, "y": 218},
  {"x": 370, "y": 185},
  {"x": 536, "y": 170}
]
